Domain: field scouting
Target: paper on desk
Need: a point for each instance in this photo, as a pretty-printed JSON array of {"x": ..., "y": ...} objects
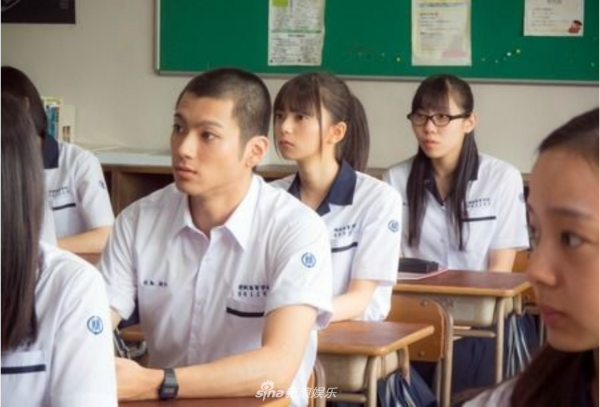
[{"x": 404, "y": 275}]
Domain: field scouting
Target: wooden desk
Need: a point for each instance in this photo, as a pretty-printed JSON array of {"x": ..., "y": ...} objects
[
  {"x": 474, "y": 299},
  {"x": 362, "y": 347},
  {"x": 222, "y": 402}
]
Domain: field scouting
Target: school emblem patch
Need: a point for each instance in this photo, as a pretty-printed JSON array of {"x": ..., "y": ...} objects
[
  {"x": 394, "y": 225},
  {"x": 95, "y": 325},
  {"x": 309, "y": 260}
]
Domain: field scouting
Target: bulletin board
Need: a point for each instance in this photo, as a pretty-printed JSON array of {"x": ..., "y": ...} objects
[{"x": 371, "y": 39}]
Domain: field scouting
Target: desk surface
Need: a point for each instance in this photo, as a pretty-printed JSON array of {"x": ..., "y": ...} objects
[
  {"x": 462, "y": 282},
  {"x": 222, "y": 402},
  {"x": 370, "y": 338}
]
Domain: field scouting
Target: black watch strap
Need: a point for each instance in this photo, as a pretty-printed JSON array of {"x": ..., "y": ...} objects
[{"x": 169, "y": 387}]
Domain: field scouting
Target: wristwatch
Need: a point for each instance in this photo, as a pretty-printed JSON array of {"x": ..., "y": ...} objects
[{"x": 169, "y": 387}]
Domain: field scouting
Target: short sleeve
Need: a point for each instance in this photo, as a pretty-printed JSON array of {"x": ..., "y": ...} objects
[
  {"x": 118, "y": 267},
  {"x": 301, "y": 267},
  {"x": 512, "y": 217},
  {"x": 83, "y": 366},
  {"x": 377, "y": 254},
  {"x": 92, "y": 192}
]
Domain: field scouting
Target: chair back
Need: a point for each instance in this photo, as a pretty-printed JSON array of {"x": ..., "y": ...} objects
[
  {"x": 426, "y": 311},
  {"x": 520, "y": 266}
]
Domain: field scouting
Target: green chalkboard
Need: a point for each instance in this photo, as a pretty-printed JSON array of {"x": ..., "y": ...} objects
[{"x": 370, "y": 39}]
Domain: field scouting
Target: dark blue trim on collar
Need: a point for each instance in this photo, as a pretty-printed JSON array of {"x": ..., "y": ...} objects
[
  {"x": 341, "y": 192},
  {"x": 50, "y": 152}
]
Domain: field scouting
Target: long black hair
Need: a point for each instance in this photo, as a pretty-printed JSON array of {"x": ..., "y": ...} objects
[
  {"x": 308, "y": 92},
  {"x": 16, "y": 83},
  {"x": 556, "y": 378},
  {"x": 22, "y": 211},
  {"x": 434, "y": 93}
]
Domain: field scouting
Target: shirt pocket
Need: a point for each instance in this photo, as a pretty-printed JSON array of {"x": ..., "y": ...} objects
[
  {"x": 246, "y": 309},
  {"x": 62, "y": 199},
  {"x": 480, "y": 228},
  {"x": 26, "y": 375},
  {"x": 244, "y": 323}
]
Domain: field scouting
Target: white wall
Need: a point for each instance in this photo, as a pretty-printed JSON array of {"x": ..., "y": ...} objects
[{"x": 104, "y": 66}]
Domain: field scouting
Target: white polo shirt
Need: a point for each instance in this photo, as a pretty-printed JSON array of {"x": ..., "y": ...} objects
[
  {"x": 71, "y": 363},
  {"x": 496, "y": 216},
  {"x": 77, "y": 192},
  {"x": 48, "y": 232},
  {"x": 363, "y": 216},
  {"x": 201, "y": 300}
]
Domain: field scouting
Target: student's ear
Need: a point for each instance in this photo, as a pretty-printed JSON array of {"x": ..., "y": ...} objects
[
  {"x": 256, "y": 148},
  {"x": 470, "y": 123},
  {"x": 337, "y": 132}
]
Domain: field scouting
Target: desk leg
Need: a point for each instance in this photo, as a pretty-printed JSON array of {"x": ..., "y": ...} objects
[
  {"x": 373, "y": 367},
  {"x": 404, "y": 363},
  {"x": 447, "y": 363},
  {"x": 499, "y": 338}
]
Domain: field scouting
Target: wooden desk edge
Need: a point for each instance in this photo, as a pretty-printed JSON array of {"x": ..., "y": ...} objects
[
  {"x": 366, "y": 350},
  {"x": 467, "y": 291}
]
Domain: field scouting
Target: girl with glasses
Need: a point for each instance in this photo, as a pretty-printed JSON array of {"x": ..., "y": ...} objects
[{"x": 465, "y": 210}]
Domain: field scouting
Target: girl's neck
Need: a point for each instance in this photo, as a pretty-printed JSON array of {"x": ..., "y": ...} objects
[
  {"x": 444, "y": 167},
  {"x": 316, "y": 179}
]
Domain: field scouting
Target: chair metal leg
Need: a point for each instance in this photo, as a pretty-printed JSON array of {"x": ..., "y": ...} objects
[
  {"x": 373, "y": 367},
  {"x": 499, "y": 339}
]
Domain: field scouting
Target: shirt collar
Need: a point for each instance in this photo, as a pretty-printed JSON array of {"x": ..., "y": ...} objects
[
  {"x": 431, "y": 186},
  {"x": 50, "y": 152},
  {"x": 239, "y": 223},
  {"x": 341, "y": 192}
]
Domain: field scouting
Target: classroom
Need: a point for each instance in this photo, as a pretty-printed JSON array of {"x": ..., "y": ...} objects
[{"x": 107, "y": 67}]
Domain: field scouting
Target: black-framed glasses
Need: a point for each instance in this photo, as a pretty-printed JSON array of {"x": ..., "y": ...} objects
[{"x": 439, "y": 119}]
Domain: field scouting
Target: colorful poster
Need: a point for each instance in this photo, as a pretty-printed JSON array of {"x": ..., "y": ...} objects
[{"x": 554, "y": 18}]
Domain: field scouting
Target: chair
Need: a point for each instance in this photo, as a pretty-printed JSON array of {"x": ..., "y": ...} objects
[
  {"x": 528, "y": 297},
  {"x": 317, "y": 379},
  {"x": 436, "y": 348}
]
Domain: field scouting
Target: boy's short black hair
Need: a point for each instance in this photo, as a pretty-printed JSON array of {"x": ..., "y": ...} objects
[{"x": 250, "y": 95}]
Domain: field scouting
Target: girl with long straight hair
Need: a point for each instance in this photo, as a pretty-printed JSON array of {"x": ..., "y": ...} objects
[
  {"x": 56, "y": 333},
  {"x": 465, "y": 210}
]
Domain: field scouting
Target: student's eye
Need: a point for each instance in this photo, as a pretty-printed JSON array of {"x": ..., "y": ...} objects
[
  {"x": 177, "y": 128},
  {"x": 570, "y": 240},
  {"x": 303, "y": 116},
  {"x": 207, "y": 136},
  {"x": 279, "y": 116},
  {"x": 440, "y": 117}
]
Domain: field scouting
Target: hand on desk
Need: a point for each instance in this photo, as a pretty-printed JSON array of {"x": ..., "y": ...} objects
[{"x": 135, "y": 382}]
